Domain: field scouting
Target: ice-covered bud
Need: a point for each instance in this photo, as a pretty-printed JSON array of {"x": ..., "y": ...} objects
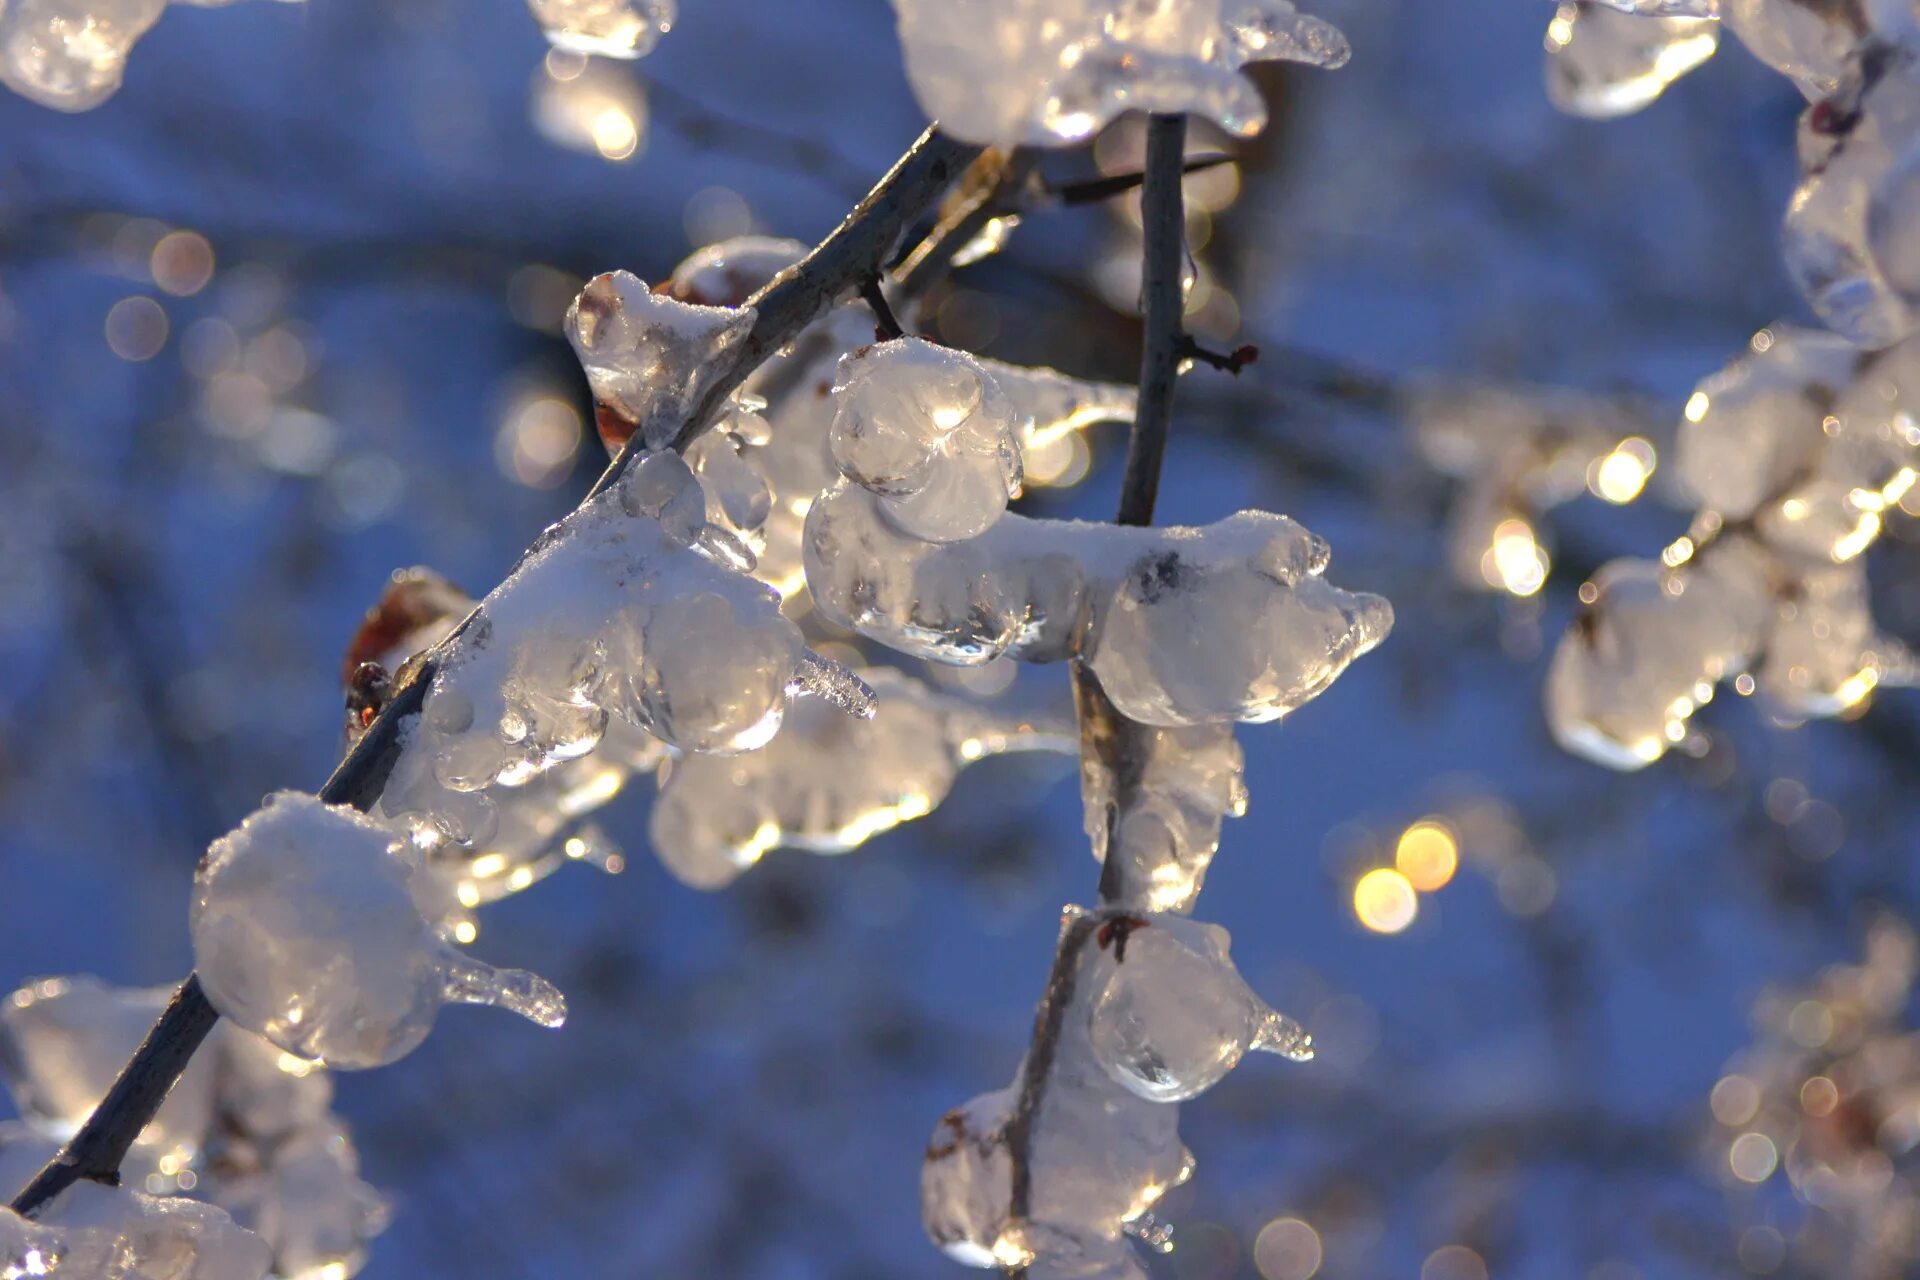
[
  {"x": 927, "y": 429},
  {"x": 1001, "y": 73},
  {"x": 1849, "y": 233},
  {"x": 650, "y": 358},
  {"x": 304, "y": 930},
  {"x": 738, "y": 500},
  {"x": 604, "y": 28},
  {"x": 1807, "y": 43},
  {"x": 1173, "y": 1015},
  {"x": 1602, "y": 62},
  {"x": 1753, "y": 430},
  {"x": 264, "y": 1091},
  {"x": 728, "y": 272},
  {"x": 829, "y": 783},
  {"x": 70, "y": 54},
  {"x": 966, "y": 1184},
  {"x": 1166, "y": 824},
  {"x": 1647, "y": 650},
  {"x": 63, "y": 1042},
  {"x": 306, "y": 1200},
  {"x": 1824, "y": 654},
  {"x": 94, "y": 1232},
  {"x": 1234, "y": 622}
]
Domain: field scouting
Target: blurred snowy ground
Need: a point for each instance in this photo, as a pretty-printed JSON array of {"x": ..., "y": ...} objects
[{"x": 747, "y": 1080}]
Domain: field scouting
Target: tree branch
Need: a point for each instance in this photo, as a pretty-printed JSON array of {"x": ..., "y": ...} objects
[
  {"x": 839, "y": 266},
  {"x": 1108, "y": 740}
]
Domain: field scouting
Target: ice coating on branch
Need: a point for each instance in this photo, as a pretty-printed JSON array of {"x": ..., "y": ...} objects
[
  {"x": 71, "y": 54},
  {"x": 1668, "y": 8},
  {"x": 240, "y": 1112},
  {"x": 1807, "y": 43},
  {"x": 1798, "y": 452},
  {"x": 830, "y": 783},
  {"x": 605, "y": 28},
  {"x": 1098, "y": 1153},
  {"x": 93, "y": 1232},
  {"x": 627, "y": 610},
  {"x": 1851, "y": 239},
  {"x": 1520, "y": 454},
  {"x": 1173, "y": 1015},
  {"x": 305, "y": 931},
  {"x": 930, "y": 432},
  {"x": 1647, "y": 652},
  {"x": 1181, "y": 625},
  {"x": 302, "y": 1194},
  {"x": 63, "y": 1042},
  {"x": 1603, "y": 62},
  {"x": 649, "y": 357},
  {"x": 1047, "y": 72},
  {"x": 1753, "y": 430},
  {"x": 1189, "y": 780}
]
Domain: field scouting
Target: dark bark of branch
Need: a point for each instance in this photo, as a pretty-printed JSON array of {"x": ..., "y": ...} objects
[
  {"x": 97, "y": 1150},
  {"x": 848, "y": 259},
  {"x": 1108, "y": 740}
]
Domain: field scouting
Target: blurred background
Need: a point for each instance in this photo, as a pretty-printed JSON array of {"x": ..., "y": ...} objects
[{"x": 283, "y": 316}]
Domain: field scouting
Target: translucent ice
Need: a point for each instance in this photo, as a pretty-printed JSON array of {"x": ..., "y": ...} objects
[
  {"x": 1602, "y": 62},
  {"x": 71, "y": 54},
  {"x": 304, "y": 930},
  {"x": 1047, "y": 72},
  {"x": 1173, "y": 1016},
  {"x": 829, "y": 783},
  {"x": 1519, "y": 453},
  {"x": 1228, "y": 622},
  {"x": 1849, "y": 232},
  {"x": 1807, "y": 43},
  {"x": 1166, "y": 822},
  {"x": 1752, "y": 430},
  {"x": 63, "y": 1042},
  {"x": 1648, "y": 649},
  {"x": 629, "y": 610},
  {"x": 1824, "y": 654},
  {"x": 303, "y": 1195},
  {"x": 92, "y": 1232},
  {"x": 605, "y": 28},
  {"x": 648, "y": 356},
  {"x": 926, "y": 429}
]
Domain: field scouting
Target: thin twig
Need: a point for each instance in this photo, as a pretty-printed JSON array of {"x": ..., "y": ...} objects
[
  {"x": 852, "y": 255},
  {"x": 990, "y": 189},
  {"x": 1108, "y": 741}
]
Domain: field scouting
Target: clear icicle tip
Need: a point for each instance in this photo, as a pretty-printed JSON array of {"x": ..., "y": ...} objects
[
  {"x": 466, "y": 980},
  {"x": 1282, "y": 1035},
  {"x": 827, "y": 680}
]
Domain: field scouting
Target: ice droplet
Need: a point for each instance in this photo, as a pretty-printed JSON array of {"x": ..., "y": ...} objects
[{"x": 605, "y": 28}]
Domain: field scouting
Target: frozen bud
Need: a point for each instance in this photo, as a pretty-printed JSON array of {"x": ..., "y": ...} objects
[
  {"x": 604, "y": 28},
  {"x": 266, "y": 1092},
  {"x": 993, "y": 73},
  {"x": 930, "y": 431},
  {"x": 1649, "y": 647},
  {"x": 1231, "y": 623},
  {"x": 1752, "y": 430},
  {"x": 70, "y": 54},
  {"x": 1847, "y": 225},
  {"x": 648, "y": 357},
  {"x": 1603, "y": 63},
  {"x": 736, "y": 494},
  {"x": 308, "y": 1203},
  {"x": 716, "y": 680},
  {"x": 63, "y": 1042},
  {"x": 1807, "y": 43},
  {"x": 108, "y": 1233},
  {"x": 304, "y": 930},
  {"x": 1823, "y": 654},
  {"x": 966, "y": 1184},
  {"x": 729, "y": 272},
  {"x": 1173, "y": 1015},
  {"x": 1168, "y": 828}
]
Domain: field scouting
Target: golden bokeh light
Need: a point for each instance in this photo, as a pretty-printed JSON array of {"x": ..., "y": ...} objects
[
  {"x": 1287, "y": 1249},
  {"x": 1427, "y": 854},
  {"x": 1385, "y": 901}
]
